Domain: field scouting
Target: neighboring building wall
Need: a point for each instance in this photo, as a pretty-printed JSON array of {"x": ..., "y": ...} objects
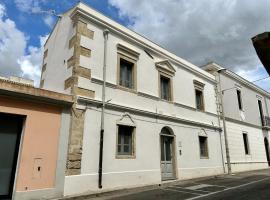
[
  {"x": 41, "y": 140},
  {"x": 246, "y": 121},
  {"x": 55, "y": 69},
  {"x": 250, "y": 113},
  {"x": 256, "y": 159}
]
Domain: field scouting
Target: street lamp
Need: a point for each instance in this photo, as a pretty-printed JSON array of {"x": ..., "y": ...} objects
[{"x": 220, "y": 93}]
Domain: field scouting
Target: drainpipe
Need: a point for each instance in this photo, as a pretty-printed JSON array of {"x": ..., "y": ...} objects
[
  {"x": 105, "y": 34},
  {"x": 224, "y": 124}
]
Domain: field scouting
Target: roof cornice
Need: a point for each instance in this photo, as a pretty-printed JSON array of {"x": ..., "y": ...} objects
[
  {"x": 231, "y": 74},
  {"x": 134, "y": 37},
  {"x": 27, "y": 92}
]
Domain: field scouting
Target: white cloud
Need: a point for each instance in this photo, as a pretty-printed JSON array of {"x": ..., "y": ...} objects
[
  {"x": 13, "y": 45},
  {"x": 28, "y": 5},
  {"x": 30, "y": 64},
  {"x": 256, "y": 75},
  {"x": 49, "y": 20},
  {"x": 201, "y": 30},
  {"x": 35, "y": 7}
]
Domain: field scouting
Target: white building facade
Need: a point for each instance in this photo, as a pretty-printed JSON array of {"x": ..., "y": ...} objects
[
  {"x": 246, "y": 110},
  {"x": 160, "y": 120}
]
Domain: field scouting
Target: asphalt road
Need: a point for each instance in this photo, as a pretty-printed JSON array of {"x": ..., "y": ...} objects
[{"x": 243, "y": 186}]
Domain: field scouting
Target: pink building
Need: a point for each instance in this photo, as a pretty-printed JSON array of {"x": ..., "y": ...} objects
[{"x": 34, "y": 131}]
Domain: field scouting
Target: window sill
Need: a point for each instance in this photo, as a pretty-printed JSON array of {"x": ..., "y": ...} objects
[
  {"x": 125, "y": 157},
  {"x": 167, "y": 101},
  {"x": 199, "y": 110},
  {"x": 204, "y": 157},
  {"x": 127, "y": 89}
]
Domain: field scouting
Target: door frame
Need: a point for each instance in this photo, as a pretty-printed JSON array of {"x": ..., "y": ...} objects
[
  {"x": 266, "y": 145},
  {"x": 14, "y": 171},
  {"x": 174, "y": 159}
]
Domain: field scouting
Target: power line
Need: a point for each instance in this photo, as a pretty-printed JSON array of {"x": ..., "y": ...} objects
[{"x": 260, "y": 79}]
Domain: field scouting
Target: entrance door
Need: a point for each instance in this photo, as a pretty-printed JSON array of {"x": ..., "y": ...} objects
[
  {"x": 167, "y": 156},
  {"x": 10, "y": 132},
  {"x": 266, "y": 144}
]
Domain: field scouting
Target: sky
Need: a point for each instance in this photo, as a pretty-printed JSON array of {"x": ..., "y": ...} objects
[{"x": 196, "y": 30}]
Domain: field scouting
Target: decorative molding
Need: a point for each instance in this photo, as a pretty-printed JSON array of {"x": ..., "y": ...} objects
[
  {"x": 100, "y": 82},
  {"x": 70, "y": 82},
  {"x": 184, "y": 106},
  {"x": 147, "y": 113},
  {"x": 244, "y": 123},
  {"x": 149, "y": 96},
  {"x": 127, "y": 51},
  {"x": 166, "y": 67},
  {"x": 83, "y": 92},
  {"x": 126, "y": 120},
  {"x": 85, "y": 51},
  {"x": 203, "y": 133},
  {"x": 81, "y": 72},
  {"x": 198, "y": 85}
]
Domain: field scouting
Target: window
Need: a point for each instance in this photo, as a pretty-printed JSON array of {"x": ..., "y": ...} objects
[
  {"x": 239, "y": 98},
  {"x": 165, "y": 88},
  {"x": 126, "y": 67},
  {"x": 203, "y": 147},
  {"x": 125, "y": 141},
  {"x": 245, "y": 138},
  {"x": 199, "y": 99},
  {"x": 126, "y": 74},
  {"x": 261, "y": 112}
]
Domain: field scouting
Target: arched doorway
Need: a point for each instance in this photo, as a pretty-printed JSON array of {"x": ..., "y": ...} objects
[
  {"x": 266, "y": 144},
  {"x": 167, "y": 147}
]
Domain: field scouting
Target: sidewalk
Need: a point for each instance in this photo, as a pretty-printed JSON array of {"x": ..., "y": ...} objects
[{"x": 183, "y": 189}]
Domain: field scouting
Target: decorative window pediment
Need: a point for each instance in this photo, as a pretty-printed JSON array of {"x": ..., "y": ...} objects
[
  {"x": 202, "y": 133},
  {"x": 126, "y": 120},
  {"x": 166, "y": 67},
  {"x": 126, "y": 51},
  {"x": 198, "y": 85}
]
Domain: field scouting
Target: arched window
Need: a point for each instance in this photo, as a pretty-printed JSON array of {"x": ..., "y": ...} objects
[{"x": 166, "y": 131}]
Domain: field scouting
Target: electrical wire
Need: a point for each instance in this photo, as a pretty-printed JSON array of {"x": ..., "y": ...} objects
[{"x": 260, "y": 79}]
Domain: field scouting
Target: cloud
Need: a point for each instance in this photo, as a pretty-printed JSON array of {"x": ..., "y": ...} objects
[
  {"x": 201, "y": 30},
  {"x": 204, "y": 30},
  {"x": 256, "y": 75},
  {"x": 12, "y": 45},
  {"x": 36, "y": 7},
  {"x": 28, "y": 5},
  {"x": 49, "y": 20},
  {"x": 30, "y": 64},
  {"x": 14, "y": 61}
]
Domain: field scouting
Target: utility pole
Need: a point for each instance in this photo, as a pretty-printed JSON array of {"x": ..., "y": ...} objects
[{"x": 224, "y": 123}]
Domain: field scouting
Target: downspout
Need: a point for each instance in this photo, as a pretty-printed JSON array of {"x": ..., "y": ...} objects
[
  {"x": 224, "y": 126},
  {"x": 105, "y": 34}
]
